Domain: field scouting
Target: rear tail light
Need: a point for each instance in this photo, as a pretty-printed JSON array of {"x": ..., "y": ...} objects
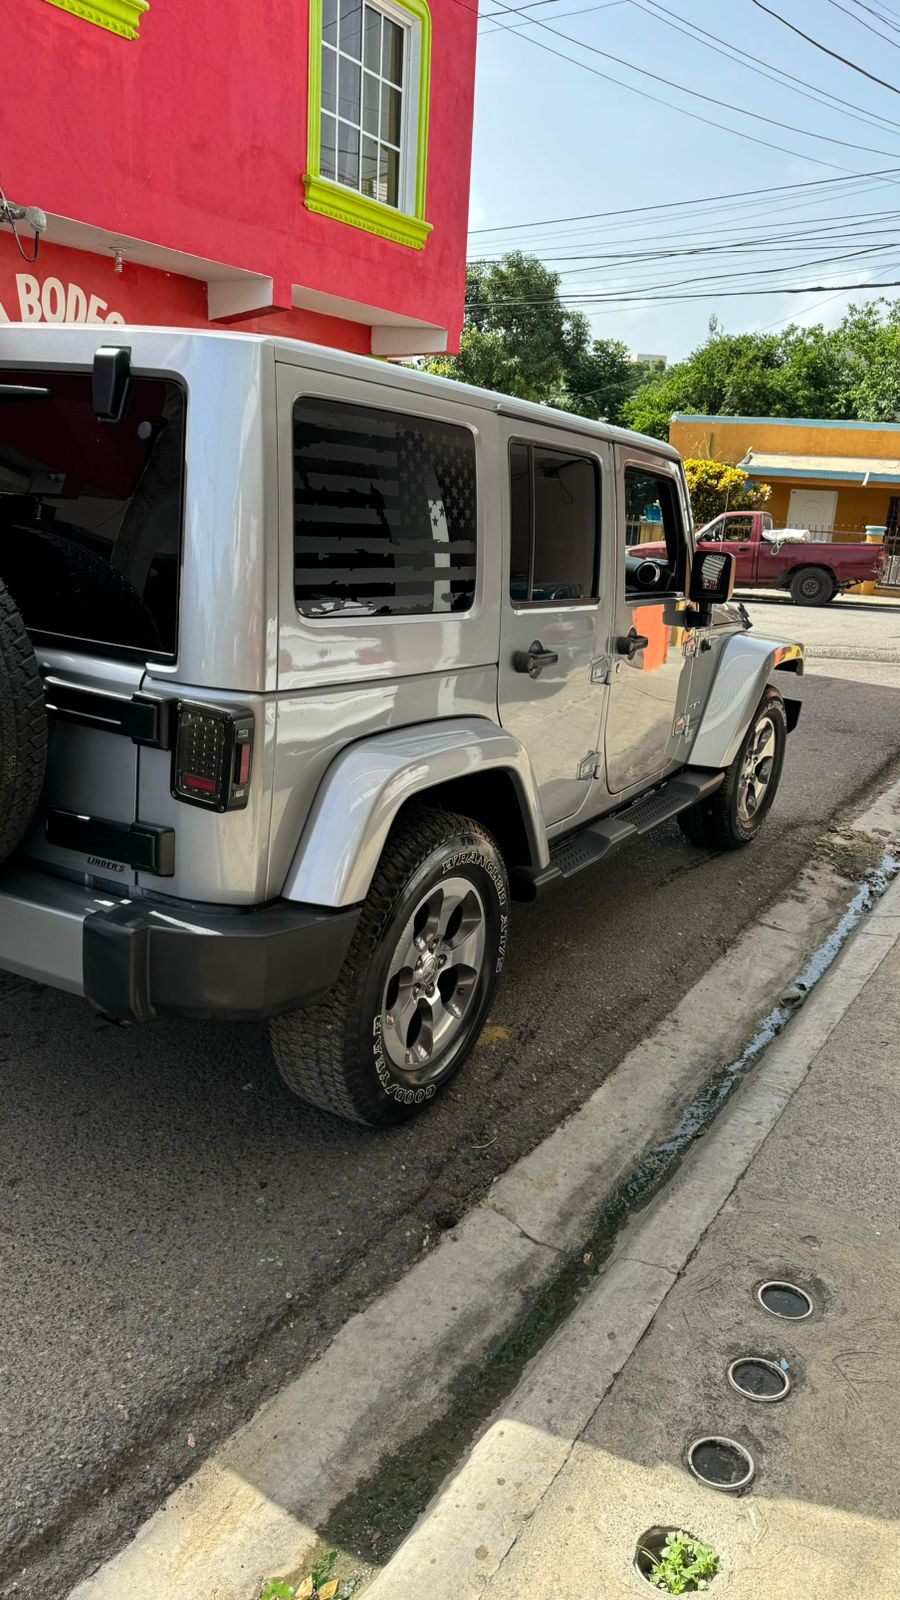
[{"x": 213, "y": 756}]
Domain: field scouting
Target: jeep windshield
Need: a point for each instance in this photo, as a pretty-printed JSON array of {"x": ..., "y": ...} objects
[{"x": 91, "y": 512}]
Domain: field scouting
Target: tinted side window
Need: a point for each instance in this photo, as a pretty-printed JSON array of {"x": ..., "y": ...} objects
[
  {"x": 90, "y": 512},
  {"x": 385, "y": 511},
  {"x": 652, "y": 515},
  {"x": 554, "y": 526}
]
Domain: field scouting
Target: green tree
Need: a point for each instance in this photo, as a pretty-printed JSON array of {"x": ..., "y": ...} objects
[
  {"x": 716, "y": 487},
  {"x": 799, "y": 372},
  {"x": 519, "y": 338},
  {"x": 600, "y": 377},
  {"x": 870, "y": 342}
]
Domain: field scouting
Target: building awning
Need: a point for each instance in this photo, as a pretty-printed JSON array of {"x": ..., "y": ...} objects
[{"x": 837, "y": 469}]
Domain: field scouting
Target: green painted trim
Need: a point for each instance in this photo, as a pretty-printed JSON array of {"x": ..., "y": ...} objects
[
  {"x": 330, "y": 199},
  {"x": 345, "y": 205},
  {"x": 314, "y": 139},
  {"x": 419, "y": 10},
  {"x": 116, "y": 16}
]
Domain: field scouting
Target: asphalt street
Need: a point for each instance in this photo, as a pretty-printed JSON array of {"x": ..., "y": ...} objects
[{"x": 178, "y": 1235}]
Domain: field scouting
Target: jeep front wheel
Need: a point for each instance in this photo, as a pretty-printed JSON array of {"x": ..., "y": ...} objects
[
  {"x": 734, "y": 814},
  {"x": 418, "y": 980}
]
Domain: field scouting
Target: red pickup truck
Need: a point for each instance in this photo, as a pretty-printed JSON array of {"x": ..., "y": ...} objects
[{"x": 788, "y": 558}]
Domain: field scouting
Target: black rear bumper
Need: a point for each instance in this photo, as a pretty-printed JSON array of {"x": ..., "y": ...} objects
[{"x": 147, "y": 959}]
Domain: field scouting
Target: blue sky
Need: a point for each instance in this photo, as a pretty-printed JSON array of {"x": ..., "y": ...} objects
[{"x": 553, "y": 140}]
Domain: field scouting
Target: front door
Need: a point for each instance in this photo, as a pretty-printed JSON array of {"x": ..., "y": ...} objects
[
  {"x": 649, "y": 712},
  {"x": 552, "y": 684},
  {"x": 813, "y": 509}
]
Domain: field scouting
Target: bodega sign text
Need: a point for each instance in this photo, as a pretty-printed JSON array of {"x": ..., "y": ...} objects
[{"x": 54, "y": 300}]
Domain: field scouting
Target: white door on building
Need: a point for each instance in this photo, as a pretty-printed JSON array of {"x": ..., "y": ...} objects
[{"x": 813, "y": 509}]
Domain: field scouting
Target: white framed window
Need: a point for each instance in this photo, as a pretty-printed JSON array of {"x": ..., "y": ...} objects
[{"x": 369, "y": 100}]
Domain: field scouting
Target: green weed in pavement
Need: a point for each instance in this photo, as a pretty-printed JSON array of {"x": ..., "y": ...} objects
[{"x": 684, "y": 1566}]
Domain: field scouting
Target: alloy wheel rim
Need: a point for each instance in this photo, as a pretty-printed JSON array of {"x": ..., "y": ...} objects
[
  {"x": 433, "y": 979},
  {"x": 756, "y": 772}
]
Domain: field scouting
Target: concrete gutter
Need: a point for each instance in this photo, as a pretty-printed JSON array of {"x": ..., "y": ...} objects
[{"x": 255, "y": 1508}]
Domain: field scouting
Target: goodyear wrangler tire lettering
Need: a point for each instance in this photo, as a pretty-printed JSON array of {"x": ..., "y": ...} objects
[
  {"x": 418, "y": 980},
  {"x": 476, "y": 857}
]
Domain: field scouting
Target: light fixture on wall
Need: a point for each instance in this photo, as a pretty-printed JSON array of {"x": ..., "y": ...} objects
[{"x": 33, "y": 217}]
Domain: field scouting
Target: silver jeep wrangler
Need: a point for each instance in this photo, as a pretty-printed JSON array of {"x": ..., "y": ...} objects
[{"x": 309, "y": 663}]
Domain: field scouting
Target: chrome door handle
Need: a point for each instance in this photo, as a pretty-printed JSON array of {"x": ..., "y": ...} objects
[
  {"x": 534, "y": 660},
  {"x": 629, "y": 644}
]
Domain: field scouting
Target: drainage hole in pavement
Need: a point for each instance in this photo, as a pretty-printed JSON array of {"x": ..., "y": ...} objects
[
  {"x": 674, "y": 1561},
  {"x": 785, "y": 1300},
  {"x": 759, "y": 1379},
  {"x": 721, "y": 1463}
]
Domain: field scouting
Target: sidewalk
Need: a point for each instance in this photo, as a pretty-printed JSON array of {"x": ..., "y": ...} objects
[
  {"x": 589, "y": 1453},
  {"x": 882, "y": 597}
]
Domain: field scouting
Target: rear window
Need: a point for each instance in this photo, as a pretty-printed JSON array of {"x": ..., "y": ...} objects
[
  {"x": 385, "y": 511},
  {"x": 91, "y": 512}
]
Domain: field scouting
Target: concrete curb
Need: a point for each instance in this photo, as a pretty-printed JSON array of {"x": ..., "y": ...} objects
[
  {"x": 254, "y": 1508},
  {"x": 469, "y": 1529}
]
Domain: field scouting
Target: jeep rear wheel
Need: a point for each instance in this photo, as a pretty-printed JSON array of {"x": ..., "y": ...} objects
[
  {"x": 418, "y": 980},
  {"x": 733, "y": 816},
  {"x": 23, "y": 728},
  {"x": 812, "y": 586}
]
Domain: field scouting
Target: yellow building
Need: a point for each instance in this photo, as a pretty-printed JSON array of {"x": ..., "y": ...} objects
[{"x": 830, "y": 477}]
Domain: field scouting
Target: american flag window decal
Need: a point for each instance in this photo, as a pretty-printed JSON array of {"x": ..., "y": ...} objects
[{"x": 385, "y": 512}]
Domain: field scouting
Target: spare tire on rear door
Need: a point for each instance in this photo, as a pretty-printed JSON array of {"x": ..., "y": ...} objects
[{"x": 23, "y": 727}]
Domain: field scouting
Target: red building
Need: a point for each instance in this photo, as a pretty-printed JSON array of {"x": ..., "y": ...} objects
[{"x": 298, "y": 167}]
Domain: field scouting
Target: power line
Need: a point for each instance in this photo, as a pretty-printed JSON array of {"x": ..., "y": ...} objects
[
  {"x": 772, "y": 240},
  {"x": 724, "y": 277},
  {"x": 731, "y": 52},
  {"x": 767, "y": 327},
  {"x": 513, "y": 27},
  {"x": 863, "y": 24},
  {"x": 633, "y": 307},
  {"x": 703, "y": 200},
  {"x": 879, "y": 14},
  {"x": 696, "y": 94},
  {"x": 731, "y": 218},
  {"x": 733, "y": 294},
  {"x": 835, "y": 55}
]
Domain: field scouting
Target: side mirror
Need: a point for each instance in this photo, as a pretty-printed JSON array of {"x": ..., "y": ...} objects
[{"x": 712, "y": 577}]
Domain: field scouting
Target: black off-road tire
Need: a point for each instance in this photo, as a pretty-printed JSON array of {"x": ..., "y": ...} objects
[
  {"x": 23, "y": 728},
  {"x": 716, "y": 823},
  {"x": 333, "y": 1054},
  {"x": 812, "y": 586},
  {"x": 79, "y": 592}
]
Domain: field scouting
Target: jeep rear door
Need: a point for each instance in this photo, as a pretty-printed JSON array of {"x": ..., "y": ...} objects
[
  {"x": 90, "y": 536},
  {"x": 649, "y": 714},
  {"x": 552, "y": 681}
]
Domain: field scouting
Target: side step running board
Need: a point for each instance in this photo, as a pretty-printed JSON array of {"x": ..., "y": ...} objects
[{"x": 573, "y": 854}]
